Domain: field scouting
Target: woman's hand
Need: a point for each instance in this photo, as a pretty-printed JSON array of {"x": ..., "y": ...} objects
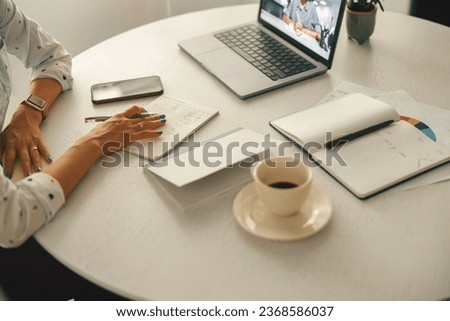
[
  {"x": 121, "y": 130},
  {"x": 110, "y": 136},
  {"x": 22, "y": 139}
]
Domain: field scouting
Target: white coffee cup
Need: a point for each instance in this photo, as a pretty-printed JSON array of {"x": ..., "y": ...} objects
[{"x": 282, "y": 184}]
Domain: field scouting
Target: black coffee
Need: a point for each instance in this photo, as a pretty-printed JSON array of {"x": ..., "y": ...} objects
[{"x": 283, "y": 185}]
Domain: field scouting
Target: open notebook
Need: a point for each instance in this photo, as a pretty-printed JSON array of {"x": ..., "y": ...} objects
[
  {"x": 362, "y": 143},
  {"x": 183, "y": 119}
]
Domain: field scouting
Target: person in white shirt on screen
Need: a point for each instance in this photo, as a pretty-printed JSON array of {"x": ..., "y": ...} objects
[
  {"x": 33, "y": 202},
  {"x": 303, "y": 15}
]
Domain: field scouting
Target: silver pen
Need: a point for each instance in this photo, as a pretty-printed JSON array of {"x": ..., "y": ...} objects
[{"x": 103, "y": 118}]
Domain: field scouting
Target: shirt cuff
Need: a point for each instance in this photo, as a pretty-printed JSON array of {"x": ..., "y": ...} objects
[
  {"x": 60, "y": 70},
  {"x": 47, "y": 190}
]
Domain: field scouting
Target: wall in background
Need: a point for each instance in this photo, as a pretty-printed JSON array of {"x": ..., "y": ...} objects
[
  {"x": 400, "y": 6},
  {"x": 83, "y": 23}
]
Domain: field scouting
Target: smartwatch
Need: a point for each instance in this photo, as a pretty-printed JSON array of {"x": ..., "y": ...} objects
[{"x": 36, "y": 103}]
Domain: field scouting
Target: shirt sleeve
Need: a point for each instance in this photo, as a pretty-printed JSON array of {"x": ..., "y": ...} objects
[
  {"x": 290, "y": 10},
  {"x": 27, "y": 206},
  {"x": 315, "y": 22},
  {"x": 36, "y": 48}
]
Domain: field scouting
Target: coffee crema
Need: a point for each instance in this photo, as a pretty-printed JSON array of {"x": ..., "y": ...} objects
[{"x": 283, "y": 185}]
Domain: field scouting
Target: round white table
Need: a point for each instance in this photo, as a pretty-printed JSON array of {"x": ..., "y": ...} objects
[{"x": 119, "y": 230}]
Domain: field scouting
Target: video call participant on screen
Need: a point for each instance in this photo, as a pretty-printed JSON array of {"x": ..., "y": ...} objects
[{"x": 303, "y": 15}]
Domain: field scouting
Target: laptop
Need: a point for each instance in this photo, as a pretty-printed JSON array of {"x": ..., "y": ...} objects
[{"x": 275, "y": 51}]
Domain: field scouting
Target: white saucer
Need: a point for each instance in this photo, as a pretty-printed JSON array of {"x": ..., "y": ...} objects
[{"x": 256, "y": 219}]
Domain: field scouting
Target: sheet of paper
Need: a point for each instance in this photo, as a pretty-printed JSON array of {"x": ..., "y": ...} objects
[{"x": 183, "y": 119}]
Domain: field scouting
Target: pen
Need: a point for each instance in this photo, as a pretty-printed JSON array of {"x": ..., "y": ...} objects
[
  {"x": 103, "y": 118},
  {"x": 346, "y": 138}
]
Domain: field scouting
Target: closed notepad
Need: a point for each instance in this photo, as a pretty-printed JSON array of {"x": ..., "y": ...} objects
[{"x": 193, "y": 178}]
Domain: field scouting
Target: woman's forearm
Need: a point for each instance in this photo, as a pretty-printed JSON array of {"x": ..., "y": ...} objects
[{"x": 71, "y": 167}]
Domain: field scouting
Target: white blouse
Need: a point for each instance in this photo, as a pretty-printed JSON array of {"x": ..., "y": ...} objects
[
  {"x": 31, "y": 203},
  {"x": 27, "y": 206}
]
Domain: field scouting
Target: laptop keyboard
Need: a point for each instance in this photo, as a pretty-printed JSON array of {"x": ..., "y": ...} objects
[{"x": 265, "y": 53}]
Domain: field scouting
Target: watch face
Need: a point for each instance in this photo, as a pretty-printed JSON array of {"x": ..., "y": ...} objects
[{"x": 36, "y": 101}]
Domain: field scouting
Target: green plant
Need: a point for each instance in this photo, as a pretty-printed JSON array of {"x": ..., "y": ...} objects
[{"x": 363, "y": 5}]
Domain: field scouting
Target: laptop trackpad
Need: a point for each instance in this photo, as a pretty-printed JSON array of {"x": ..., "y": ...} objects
[{"x": 223, "y": 62}]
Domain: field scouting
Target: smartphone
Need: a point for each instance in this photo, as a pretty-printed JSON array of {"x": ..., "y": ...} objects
[{"x": 126, "y": 89}]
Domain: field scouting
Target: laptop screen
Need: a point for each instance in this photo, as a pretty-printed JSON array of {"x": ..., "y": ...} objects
[{"x": 310, "y": 24}]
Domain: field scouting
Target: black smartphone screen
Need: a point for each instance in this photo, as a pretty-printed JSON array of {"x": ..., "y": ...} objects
[{"x": 126, "y": 89}]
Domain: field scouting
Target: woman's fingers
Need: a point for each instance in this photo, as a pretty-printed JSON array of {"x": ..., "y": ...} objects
[
  {"x": 151, "y": 124},
  {"x": 44, "y": 153},
  {"x": 121, "y": 130},
  {"x": 10, "y": 158},
  {"x": 153, "y": 117},
  {"x": 35, "y": 155},
  {"x": 25, "y": 161},
  {"x": 145, "y": 134},
  {"x": 133, "y": 110},
  {"x": 36, "y": 158}
]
